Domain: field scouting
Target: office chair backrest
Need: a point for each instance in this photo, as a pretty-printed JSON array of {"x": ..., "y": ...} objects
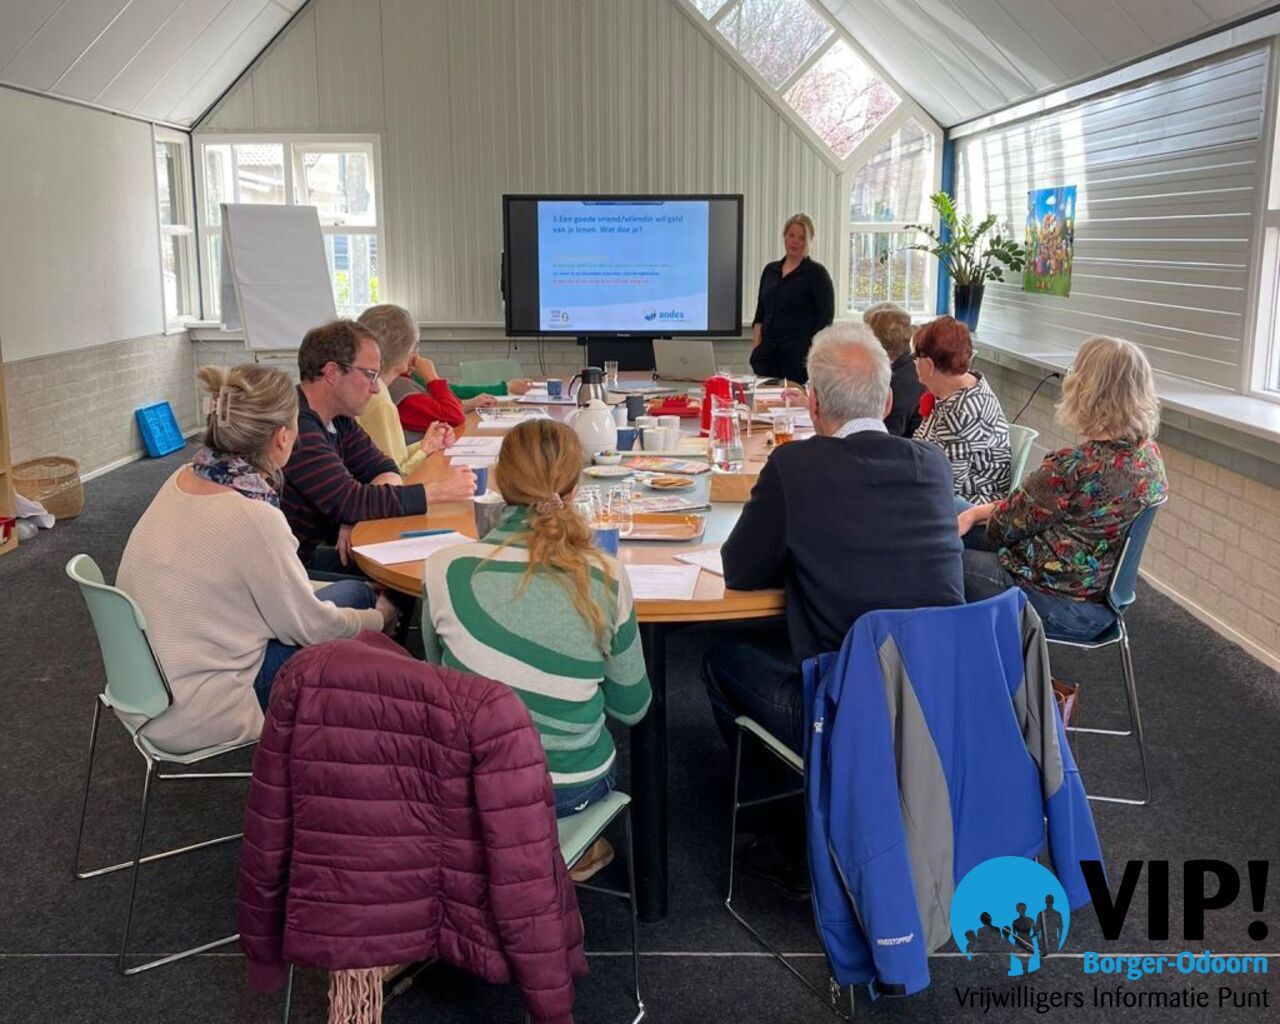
[
  {"x": 474, "y": 372},
  {"x": 135, "y": 684},
  {"x": 1124, "y": 579},
  {"x": 1020, "y": 440}
]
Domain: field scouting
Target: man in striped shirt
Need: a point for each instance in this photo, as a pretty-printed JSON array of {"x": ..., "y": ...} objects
[{"x": 336, "y": 476}]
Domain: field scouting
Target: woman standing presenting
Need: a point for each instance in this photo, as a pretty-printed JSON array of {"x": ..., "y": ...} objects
[{"x": 796, "y": 300}]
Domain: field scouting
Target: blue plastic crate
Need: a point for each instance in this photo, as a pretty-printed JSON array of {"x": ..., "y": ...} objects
[{"x": 159, "y": 429}]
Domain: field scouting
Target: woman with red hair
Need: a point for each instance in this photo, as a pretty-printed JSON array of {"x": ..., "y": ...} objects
[{"x": 962, "y": 414}]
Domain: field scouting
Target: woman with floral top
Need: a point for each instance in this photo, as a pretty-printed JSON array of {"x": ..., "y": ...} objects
[{"x": 1059, "y": 535}]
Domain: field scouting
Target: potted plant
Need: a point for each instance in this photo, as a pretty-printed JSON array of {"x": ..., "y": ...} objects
[{"x": 967, "y": 255}]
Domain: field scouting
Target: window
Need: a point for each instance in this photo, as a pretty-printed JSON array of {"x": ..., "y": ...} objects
[
  {"x": 815, "y": 69},
  {"x": 177, "y": 227},
  {"x": 1264, "y": 378},
  {"x": 338, "y": 175},
  {"x": 890, "y": 191}
]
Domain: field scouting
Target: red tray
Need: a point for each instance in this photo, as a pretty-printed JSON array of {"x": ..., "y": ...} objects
[{"x": 683, "y": 411}]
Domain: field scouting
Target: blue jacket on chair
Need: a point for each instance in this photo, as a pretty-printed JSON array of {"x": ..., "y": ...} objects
[{"x": 934, "y": 744}]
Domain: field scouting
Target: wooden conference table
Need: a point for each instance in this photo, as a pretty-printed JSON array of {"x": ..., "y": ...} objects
[{"x": 712, "y": 601}]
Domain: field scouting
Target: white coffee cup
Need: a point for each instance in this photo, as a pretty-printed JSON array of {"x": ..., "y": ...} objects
[
  {"x": 671, "y": 424},
  {"x": 654, "y": 438},
  {"x": 646, "y": 421},
  {"x": 620, "y": 414}
]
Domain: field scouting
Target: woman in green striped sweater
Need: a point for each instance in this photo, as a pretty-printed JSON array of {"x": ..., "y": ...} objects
[{"x": 536, "y": 606}]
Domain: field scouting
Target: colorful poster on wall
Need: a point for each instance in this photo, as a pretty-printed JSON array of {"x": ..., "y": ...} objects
[{"x": 1051, "y": 234}]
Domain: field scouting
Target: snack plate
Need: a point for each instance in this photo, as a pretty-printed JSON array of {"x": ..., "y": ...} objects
[
  {"x": 665, "y": 526},
  {"x": 608, "y": 472},
  {"x": 651, "y": 483}
]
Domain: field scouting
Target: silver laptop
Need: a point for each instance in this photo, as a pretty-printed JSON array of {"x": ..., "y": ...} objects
[{"x": 684, "y": 360}]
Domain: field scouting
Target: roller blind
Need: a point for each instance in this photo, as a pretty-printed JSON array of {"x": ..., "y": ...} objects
[{"x": 1166, "y": 172}]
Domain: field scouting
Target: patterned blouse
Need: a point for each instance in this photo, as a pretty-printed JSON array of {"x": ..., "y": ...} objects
[
  {"x": 969, "y": 426},
  {"x": 1061, "y": 530}
]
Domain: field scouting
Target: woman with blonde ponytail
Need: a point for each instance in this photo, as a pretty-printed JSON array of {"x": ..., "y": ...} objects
[
  {"x": 536, "y": 606},
  {"x": 214, "y": 567}
]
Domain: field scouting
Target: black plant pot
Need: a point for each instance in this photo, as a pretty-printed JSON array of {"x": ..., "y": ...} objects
[{"x": 968, "y": 303}]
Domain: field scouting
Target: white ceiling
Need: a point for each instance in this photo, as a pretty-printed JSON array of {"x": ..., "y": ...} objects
[
  {"x": 164, "y": 60},
  {"x": 168, "y": 60},
  {"x": 960, "y": 59}
]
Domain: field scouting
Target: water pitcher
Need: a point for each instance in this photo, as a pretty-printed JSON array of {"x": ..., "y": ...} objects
[{"x": 724, "y": 440}]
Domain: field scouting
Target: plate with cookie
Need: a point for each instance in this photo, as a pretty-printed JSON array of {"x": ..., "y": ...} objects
[{"x": 666, "y": 482}]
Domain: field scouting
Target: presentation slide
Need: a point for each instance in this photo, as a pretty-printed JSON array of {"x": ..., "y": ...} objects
[{"x": 623, "y": 266}]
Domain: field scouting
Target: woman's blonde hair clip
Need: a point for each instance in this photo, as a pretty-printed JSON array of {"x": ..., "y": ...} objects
[{"x": 219, "y": 407}]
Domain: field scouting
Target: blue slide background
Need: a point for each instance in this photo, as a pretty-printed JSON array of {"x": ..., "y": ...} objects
[{"x": 619, "y": 266}]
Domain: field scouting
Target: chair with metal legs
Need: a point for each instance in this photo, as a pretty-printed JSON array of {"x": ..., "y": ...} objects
[
  {"x": 833, "y": 997},
  {"x": 137, "y": 692},
  {"x": 1020, "y": 440},
  {"x": 1121, "y": 592},
  {"x": 577, "y": 832}
]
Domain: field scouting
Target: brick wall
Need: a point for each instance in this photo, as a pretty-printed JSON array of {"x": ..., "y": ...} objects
[
  {"x": 81, "y": 404},
  {"x": 1215, "y": 547}
]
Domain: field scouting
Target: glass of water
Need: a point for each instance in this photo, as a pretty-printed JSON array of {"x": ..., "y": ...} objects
[
  {"x": 611, "y": 373},
  {"x": 620, "y": 507}
]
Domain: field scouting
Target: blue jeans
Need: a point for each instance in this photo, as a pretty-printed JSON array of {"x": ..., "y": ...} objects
[
  {"x": 1063, "y": 618},
  {"x": 572, "y": 799},
  {"x": 346, "y": 594}
]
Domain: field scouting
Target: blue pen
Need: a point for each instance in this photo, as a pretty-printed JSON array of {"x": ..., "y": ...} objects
[{"x": 422, "y": 533}]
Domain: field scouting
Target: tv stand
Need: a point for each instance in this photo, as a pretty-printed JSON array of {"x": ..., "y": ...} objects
[{"x": 631, "y": 353}]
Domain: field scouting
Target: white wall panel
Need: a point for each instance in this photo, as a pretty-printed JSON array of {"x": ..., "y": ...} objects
[
  {"x": 155, "y": 59},
  {"x": 140, "y": 71},
  {"x": 234, "y": 60},
  {"x": 124, "y": 37},
  {"x": 484, "y": 97},
  {"x": 69, "y": 32},
  {"x": 349, "y": 47},
  {"x": 1166, "y": 172},
  {"x": 285, "y": 89},
  {"x": 79, "y": 238}
]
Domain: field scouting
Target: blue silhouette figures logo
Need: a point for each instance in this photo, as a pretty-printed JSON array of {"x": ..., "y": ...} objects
[{"x": 1013, "y": 907}]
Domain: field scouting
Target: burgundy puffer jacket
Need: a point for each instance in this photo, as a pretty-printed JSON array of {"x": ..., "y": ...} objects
[{"x": 400, "y": 811}]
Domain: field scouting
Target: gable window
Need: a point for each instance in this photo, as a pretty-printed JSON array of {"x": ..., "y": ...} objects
[
  {"x": 177, "y": 228},
  {"x": 337, "y": 174},
  {"x": 890, "y": 191}
]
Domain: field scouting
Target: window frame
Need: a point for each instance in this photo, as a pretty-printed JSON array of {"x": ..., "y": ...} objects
[
  {"x": 1261, "y": 364},
  {"x": 294, "y": 145},
  {"x": 182, "y": 191},
  {"x": 896, "y": 121},
  {"x": 846, "y": 168}
]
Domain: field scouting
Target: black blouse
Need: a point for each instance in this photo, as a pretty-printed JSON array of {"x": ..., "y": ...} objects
[{"x": 790, "y": 311}]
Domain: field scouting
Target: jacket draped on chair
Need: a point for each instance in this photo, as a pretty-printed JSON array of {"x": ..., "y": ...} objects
[{"x": 398, "y": 812}]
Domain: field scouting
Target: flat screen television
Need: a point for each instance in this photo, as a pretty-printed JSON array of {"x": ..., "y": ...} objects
[{"x": 622, "y": 266}]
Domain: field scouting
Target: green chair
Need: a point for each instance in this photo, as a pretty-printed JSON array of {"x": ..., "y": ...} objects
[
  {"x": 475, "y": 372},
  {"x": 834, "y": 996},
  {"x": 576, "y": 833},
  {"x": 1020, "y": 440},
  {"x": 137, "y": 692}
]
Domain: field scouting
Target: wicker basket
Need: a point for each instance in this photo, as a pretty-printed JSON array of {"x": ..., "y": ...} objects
[{"x": 52, "y": 480}]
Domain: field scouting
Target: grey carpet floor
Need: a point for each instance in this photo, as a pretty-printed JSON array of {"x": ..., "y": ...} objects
[{"x": 1212, "y": 716}]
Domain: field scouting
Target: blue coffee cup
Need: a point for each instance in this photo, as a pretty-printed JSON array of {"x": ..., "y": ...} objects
[
  {"x": 626, "y": 438},
  {"x": 606, "y": 539},
  {"x": 482, "y": 478},
  {"x": 555, "y": 387}
]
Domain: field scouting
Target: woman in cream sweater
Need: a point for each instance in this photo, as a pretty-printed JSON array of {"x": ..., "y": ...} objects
[{"x": 214, "y": 568}]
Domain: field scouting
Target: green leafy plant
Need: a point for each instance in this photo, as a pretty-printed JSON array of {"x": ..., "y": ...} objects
[{"x": 969, "y": 257}]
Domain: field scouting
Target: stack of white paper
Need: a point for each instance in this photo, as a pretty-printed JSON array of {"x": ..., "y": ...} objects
[
  {"x": 663, "y": 582},
  {"x": 707, "y": 558},
  {"x": 409, "y": 549},
  {"x": 472, "y": 447}
]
